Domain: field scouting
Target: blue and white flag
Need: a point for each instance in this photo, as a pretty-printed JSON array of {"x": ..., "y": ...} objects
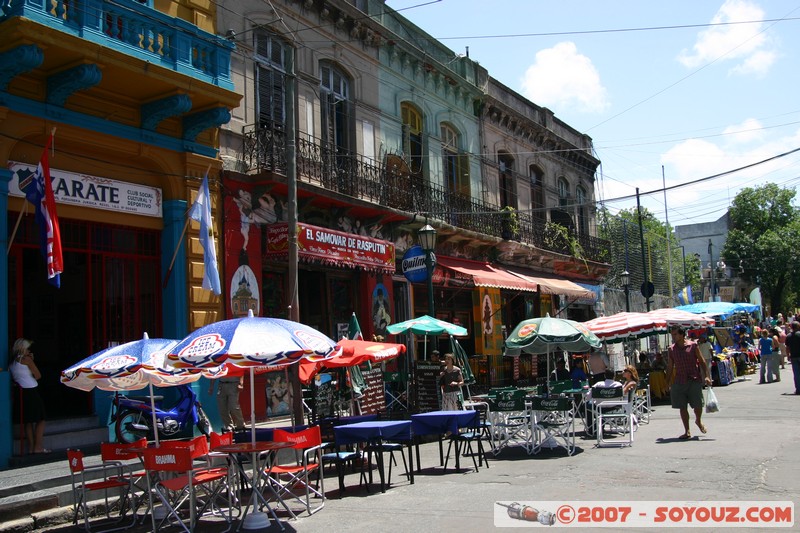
[
  {"x": 685, "y": 296},
  {"x": 201, "y": 212}
]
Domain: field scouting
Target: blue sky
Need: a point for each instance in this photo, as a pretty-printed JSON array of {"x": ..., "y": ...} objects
[{"x": 700, "y": 87}]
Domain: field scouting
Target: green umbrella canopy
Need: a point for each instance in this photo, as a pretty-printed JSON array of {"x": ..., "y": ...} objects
[
  {"x": 427, "y": 325},
  {"x": 546, "y": 334},
  {"x": 462, "y": 361}
]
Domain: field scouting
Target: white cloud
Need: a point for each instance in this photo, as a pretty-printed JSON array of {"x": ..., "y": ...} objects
[
  {"x": 748, "y": 131},
  {"x": 746, "y": 43},
  {"x": 561, "y": 77}
]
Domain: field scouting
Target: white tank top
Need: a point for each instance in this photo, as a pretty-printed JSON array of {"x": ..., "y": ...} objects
[{"x": 22, "y": 375}]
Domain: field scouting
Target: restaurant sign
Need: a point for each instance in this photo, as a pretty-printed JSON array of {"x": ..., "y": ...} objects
[
  {"x": 91, "y": 191},
  {"x": 331, "y": 247}
]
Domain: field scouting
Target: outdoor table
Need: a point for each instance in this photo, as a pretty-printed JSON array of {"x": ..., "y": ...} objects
[
  {"x": 373, "y": 432},
  {"x": 579, "y": 402},
  {"x": 257, "y": 481},
  {"x": 439, "y": 423}
]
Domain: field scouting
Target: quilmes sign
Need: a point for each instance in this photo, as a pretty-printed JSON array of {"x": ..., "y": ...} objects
[
  {"x": 413, "y": 264},
  {"x": 91, "y": 191}
]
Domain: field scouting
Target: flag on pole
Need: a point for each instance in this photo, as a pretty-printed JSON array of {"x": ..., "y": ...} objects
[
  {"x": 685, "y": 296},
  {"x": 201, "y": 212},
  {"x": 39, "y": 192},
  {"x": 354, "y": 330}
]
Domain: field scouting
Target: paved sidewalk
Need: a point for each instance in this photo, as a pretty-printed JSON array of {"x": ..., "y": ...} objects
[{"x": 749, "y": 453}]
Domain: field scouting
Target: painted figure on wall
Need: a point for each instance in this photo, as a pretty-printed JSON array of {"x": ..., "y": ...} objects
[{"x": 381, "y": 317}]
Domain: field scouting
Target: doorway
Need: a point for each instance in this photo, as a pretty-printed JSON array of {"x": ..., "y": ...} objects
[{"x": 110, "y": 293}]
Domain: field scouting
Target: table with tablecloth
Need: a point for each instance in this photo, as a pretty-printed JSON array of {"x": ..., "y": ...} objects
[
  {"x": 659, "y": 386},
  {"x": 375, "y": 432},
  {"x": 441, "y": 423}
]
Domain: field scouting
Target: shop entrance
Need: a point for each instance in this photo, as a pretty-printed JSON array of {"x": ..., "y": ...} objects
[{"x": 110, "y": 293}]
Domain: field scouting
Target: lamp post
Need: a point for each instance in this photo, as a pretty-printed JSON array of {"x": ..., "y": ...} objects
[
  {"x": 626, "y": 281},
  {"x": 711, "y": 267},
  {"x": 427, "y": 239}
]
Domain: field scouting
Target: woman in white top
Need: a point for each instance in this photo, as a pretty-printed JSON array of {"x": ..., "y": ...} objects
[{"x": 26, "y": 374}]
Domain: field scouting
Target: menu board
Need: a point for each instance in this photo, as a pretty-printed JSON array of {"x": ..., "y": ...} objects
[
  {"x": 374, "y": 399},
  {"x": 324, "y": 400},
  {"x": 426, "y": 387}
]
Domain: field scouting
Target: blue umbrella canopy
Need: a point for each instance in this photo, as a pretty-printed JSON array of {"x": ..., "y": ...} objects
[
  {"x": 427, "y": 325},
  {"x": 131, "y": 366},
  {"x": 721, "y": 309},
  {"x": 251, "y": 342}
]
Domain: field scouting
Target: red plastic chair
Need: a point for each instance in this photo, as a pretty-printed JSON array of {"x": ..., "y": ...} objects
[
  {"x": 288, "y": 478},
  {"x": 111, "y": 479},
  {"x": 112, "y": 453},
  {"x": 187, "y": 481}
]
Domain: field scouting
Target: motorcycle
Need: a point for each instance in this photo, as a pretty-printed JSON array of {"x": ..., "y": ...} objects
[{"x": 133, "y": 416}]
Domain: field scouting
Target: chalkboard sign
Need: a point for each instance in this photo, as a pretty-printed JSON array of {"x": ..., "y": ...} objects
[
  {"x": 324, "y": 399},
  {"x": 374, "y": 399},
  {"x": 426, "y": 387}
]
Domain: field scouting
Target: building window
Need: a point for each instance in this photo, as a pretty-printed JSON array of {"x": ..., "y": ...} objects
[
  {"x": 454, "y": 164},
  {"x": 508, "y": 188},
  {"x": 537, "y": 192},
  {"x": 563, "y": 192},
  {"x": 336, "y": 109},
  {"x": 270, "y": 80},
  {"x": 412, "y": 136},
  {"x": 583, "y": 219}
]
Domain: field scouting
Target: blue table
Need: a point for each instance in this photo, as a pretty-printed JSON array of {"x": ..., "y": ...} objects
[
  {"x": 373, "y": 432},
  {"x": 440, "y": 423}
]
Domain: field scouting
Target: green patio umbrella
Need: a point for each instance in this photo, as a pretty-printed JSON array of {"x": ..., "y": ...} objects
[
  {"x": 427, "y": 325},
  {"x": 463, "y": 363},
  {"x": 545, "y": 334}
]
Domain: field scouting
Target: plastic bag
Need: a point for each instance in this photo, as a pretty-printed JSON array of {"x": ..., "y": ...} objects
[{"x": 712, "y": 404}]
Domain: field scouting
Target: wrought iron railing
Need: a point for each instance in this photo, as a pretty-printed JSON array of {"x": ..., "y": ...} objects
[{"x": 352, "y": 174}]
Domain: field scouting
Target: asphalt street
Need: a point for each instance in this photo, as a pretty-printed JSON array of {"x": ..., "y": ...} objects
[{"x": 748, "y": 454}]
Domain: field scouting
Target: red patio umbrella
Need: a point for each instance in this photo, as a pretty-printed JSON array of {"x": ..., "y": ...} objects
[{"x": 625, "y": 326}]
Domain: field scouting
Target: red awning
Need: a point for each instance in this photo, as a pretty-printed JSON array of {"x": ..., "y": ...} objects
[
  {"x": 485, "y": 275},
  {"x": 550, "y": 285}
]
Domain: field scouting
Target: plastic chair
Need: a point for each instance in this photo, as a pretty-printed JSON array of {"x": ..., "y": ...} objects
[
  {"x": 612, "y": 408},
  {"x": 84, "y": 482},
  {"x": 307, "y": 445},
  {"x": 473, "y": 434},
  {"x": 111, "y": 453},
  {"x": 174, "y": 492},
  {"x": 335, "y": 454},
  {"x": 553, "y": 424},
  {"x": 511, "y": 421},
  {"x": 642, "y": 404}
]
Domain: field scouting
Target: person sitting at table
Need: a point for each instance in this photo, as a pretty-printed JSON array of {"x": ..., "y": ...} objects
[
  {"x": 598, "y": 365},
  {"x": 659, "y": 363},
  {"x": 631, "y": 378},
  {"x": 560, "y": 373},
  {"x": 608, "y": 382},
  {"x": 577, "y": 373},
  {"x": 644, "y": 362},
  {"x": 450, "y": 381}
]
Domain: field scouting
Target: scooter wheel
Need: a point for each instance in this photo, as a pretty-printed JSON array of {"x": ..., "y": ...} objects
[{"x": 124, "y": 426}]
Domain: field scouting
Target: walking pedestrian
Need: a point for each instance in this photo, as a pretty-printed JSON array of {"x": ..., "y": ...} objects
[
  {"x": 793, "y": 343},
  {"x": 690, "y": 372},
  {"x": 450, "y": 380},
  {"x": 228, "y": 402}
]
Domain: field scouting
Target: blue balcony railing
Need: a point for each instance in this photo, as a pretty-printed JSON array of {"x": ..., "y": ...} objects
[{"x": 136, "y": 29}]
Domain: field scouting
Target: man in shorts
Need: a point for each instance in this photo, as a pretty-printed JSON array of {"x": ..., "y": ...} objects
[{"x": 690, "y": 372}]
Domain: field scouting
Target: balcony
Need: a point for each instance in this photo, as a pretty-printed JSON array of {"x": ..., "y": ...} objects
[
  {"x": 392, "y": 186},
  {"x": 134, "y": 29}
]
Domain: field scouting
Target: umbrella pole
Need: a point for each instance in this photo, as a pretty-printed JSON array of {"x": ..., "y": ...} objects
[
  {"x": 253, "y": 413},
  {"x": 153, "y": 412}
]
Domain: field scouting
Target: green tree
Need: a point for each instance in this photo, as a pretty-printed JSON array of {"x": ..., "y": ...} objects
[{"x": 763, "y": 241}]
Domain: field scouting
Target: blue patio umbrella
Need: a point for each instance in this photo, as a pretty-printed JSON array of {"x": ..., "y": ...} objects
[{"x": 720, "y": 309}]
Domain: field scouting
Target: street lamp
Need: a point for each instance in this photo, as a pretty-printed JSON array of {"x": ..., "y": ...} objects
[
  {"x": 626, "y": 281},
  {"x": 427, "y": 239}
]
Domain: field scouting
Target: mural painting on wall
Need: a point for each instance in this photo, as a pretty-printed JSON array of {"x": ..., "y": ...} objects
[
  {"x": 381, "y": 309},
  {"x": 486, "y": 304},
  {"x": 243, "y": 218}
]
